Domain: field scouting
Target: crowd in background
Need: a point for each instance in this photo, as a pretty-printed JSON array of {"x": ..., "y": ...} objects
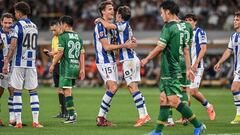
[{"x": 212, "y": 14}]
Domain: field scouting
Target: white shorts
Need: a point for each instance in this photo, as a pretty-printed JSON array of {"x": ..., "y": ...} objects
[
  {"x": 131, "y": 70},
  {"x": 4, "y": 80},
  {"x": 197, "y": 79},
  {"x": 108, "y": 72},
  {"x": 24, "y": 78}
]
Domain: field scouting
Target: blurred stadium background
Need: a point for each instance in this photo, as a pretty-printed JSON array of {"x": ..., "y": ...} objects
[{"x": 215, "y": 16}]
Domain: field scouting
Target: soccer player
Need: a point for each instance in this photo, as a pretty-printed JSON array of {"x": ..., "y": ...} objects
[
  {"x": 105, "y": 59},
  {"x": 233, "y": 46},
  {"x": 56, "y": 30},
  {"x": 6, "y": 22},
  {"x": 72, "y": 63},
  {"x": 185, "y": 83},
  {"x": 171, "y": 39},
  {"x": 22, "y": 51},
  {"x": 130, "y": 61},
  {"x": 198, "y": 50}
]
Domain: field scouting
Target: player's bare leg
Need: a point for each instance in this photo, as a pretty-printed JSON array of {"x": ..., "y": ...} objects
[{"x": 200, "y": 97}]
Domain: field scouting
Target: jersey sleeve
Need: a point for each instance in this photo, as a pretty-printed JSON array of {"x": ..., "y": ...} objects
[
  {"x": 202, "y": 37},
  {"x": 61, "y": 43},
  {"x": 14, "y": 31},
  {"x": 230, "y": 44},
  {"x": 100, "y": 32},
  {"x": 164, "y": 37}
]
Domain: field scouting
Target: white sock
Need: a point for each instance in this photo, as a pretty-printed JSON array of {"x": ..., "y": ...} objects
[
  {"x": 105, "y": 104},
  {"x": 17, "y": 106},
  {"x": 236, "y": 97},
  {"x": 10, "y": 109},
  {"x": 139, "y": 102},
  {"x": 34, "y": 102}
]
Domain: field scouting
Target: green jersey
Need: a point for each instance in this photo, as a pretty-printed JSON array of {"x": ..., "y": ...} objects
[
  {"x": 172, "y": 38},
  {"x": 72, "y": 46},
  {"x": 188, "y": 34}
]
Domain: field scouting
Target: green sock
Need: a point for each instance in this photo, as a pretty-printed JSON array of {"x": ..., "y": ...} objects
[
  {"x": 162, "y": 117},
  {"x": 70, "y": 105},
  {"x": 170, "y": 113},
  {"x": 184, "y": 98},
  {"x": 187, "y": 113}
]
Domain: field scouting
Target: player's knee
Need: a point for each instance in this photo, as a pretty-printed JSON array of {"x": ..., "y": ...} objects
[
  {"x": 174, "y": 101},
  {"x": 235, "y": 86}
]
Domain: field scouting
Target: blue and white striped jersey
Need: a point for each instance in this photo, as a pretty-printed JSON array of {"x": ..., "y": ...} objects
[
  {"x": 199, "y": 38},
  {"x": 103, "y": 56},
  {"x": 6, "y": 42},
  {"x": 125, "y": 33},
  {"x": 26, "y": 33},
  {"x": 234, "y": 45}
]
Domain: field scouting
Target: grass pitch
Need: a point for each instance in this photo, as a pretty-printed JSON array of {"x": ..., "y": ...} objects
[{"x": 123, "y": 113}]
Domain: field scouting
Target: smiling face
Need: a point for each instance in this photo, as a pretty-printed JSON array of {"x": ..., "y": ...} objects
[
  {"x": 236, "y": 22},
  {"x": 6, "y": 23},
  {"x": 108, "y": 12}
]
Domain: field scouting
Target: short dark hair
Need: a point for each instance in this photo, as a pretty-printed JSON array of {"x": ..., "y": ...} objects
[
  {"x": 22, "y": 7},
  {"x": 66, "y": 19},
  {"x": 102, "y": 6},
  {"x": 6, "y": 15},
  {"x": 192, "y": 16},
  {"x": 237, "y": 13},
  {"x": 125, "y": 12},
  {"x": 171, "y": 6},
  {"x": 54, "y": 22}
]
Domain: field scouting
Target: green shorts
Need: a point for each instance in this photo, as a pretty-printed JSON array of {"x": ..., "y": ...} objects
[
  {"x": 184, "y": 81},
  {"x": 66, "y": 82},
  {"x": 170, "y": 87}
]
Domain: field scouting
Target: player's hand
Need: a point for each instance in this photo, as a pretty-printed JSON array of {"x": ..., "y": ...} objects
[
  {"x": 5, "y": 68},
  {"x": 82, "y": 74},
  {"x": 97, "y": 21},
  {"x": 129, "y": 44},
  {"x": 194, "y": 67},
  {"x": 217, "y": 67},
  {"x": 190, "y": 75},
  {"x": 144, "y": 62},
  {"x": 51, "y": 68}
]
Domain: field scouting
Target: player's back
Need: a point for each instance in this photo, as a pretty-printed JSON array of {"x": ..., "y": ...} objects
[
  {"x": 72, "y": 43},
  {"x": 188, "y": 34},
  {"x": 26, "y": 33},
  {"x": 125, "y": 33},
  {"x": 172, "y": 36}
]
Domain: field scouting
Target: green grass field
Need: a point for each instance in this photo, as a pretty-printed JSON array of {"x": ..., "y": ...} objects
[{"x": 123, "y": 113}]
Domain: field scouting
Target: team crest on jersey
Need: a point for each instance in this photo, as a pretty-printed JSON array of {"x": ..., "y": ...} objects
[{"x": 101, "y": 34}]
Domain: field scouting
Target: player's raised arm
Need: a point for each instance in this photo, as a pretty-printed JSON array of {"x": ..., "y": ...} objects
[{"x": 106, "y": 24}]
